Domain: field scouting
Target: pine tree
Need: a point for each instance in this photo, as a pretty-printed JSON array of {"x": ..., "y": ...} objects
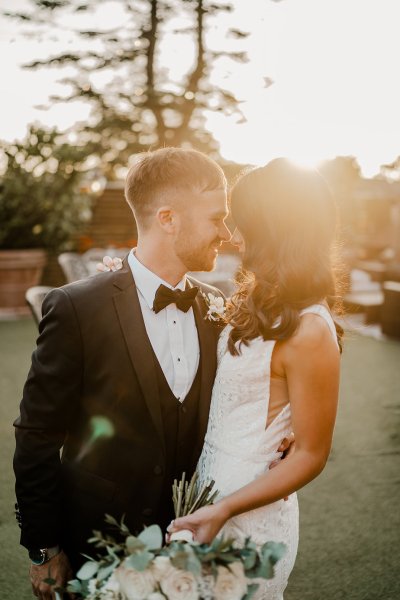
[{"x": 139, "y": 104}]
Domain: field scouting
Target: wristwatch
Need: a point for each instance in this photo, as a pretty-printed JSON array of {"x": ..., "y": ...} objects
[{"x": 40, "y": 556}]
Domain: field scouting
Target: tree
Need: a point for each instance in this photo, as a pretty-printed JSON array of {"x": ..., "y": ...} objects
[
  {"x": 42, "y": 200},
  {"x": 140, "y": 103}
]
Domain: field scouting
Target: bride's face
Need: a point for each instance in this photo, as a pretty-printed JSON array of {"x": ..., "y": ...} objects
[{"x": 238, "y": 241}]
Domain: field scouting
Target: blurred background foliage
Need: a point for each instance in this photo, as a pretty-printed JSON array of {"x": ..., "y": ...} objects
[{"x": 42, "y": 201}]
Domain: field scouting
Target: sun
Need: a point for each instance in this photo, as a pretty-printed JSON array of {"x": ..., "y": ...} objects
[{"x": 305, "y": 161}]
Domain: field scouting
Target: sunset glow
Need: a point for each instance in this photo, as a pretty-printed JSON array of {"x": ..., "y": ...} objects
[{"x": 321, "y": 80}]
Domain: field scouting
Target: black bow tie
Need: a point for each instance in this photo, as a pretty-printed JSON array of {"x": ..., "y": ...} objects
[{"x": 165, "y": 296}]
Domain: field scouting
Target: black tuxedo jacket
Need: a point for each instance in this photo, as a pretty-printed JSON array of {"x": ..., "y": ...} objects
[{"x": 89, "y": 438}]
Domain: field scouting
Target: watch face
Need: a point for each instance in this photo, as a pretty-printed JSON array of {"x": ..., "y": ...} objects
[{"x": 38, "y": 557}]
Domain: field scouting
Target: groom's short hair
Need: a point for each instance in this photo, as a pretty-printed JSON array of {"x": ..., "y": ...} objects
[{"x": 168, "y": 169}]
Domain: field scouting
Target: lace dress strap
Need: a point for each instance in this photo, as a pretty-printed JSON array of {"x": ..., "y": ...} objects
[{"x": 324, "y": 312}]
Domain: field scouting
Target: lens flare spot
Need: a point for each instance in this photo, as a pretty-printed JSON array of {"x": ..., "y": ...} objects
[{"x": 101, "y": 427}]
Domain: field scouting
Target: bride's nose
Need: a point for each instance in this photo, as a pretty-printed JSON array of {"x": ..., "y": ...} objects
[{"x": 237, "y": 239}]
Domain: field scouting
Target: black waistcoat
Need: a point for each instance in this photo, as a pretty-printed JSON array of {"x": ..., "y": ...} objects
[{"x": 180, "y": 423}]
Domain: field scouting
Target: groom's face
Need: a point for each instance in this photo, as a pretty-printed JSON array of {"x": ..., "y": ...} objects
[{"x": 202, "y": 228}]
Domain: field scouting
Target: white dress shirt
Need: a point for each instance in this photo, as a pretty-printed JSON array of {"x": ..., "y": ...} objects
[{"x": 172, "y": 332}]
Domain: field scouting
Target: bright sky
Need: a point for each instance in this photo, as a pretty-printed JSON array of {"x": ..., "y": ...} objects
[{"x": 334, "y": 64}]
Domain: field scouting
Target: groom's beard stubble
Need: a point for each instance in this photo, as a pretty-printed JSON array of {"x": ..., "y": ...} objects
[{"x": 197, "y": 257}]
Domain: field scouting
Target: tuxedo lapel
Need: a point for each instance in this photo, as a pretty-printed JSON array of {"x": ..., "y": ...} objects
[
  {"x": 139, "y": 347},
  {"x": 208, "y": 336}
]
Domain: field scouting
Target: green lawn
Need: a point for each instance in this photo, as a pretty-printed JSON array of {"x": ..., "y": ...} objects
[{"x": 350, "y": 516}]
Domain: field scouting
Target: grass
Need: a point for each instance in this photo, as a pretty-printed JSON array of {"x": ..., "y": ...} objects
[
  {"x": 17, "y": 340},
  {"x": 350, "y": 517}
]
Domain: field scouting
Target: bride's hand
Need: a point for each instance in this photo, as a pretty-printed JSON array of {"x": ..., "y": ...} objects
[
  {"x": 204, "y": 523},
  {"x": 109, "y": 264}
]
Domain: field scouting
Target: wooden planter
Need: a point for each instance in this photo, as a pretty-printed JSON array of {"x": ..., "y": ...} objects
[{"x": 19, "y": 270}]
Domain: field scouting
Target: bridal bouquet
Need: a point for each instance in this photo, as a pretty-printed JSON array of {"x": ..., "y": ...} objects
[{"x": 143, "y": 568}]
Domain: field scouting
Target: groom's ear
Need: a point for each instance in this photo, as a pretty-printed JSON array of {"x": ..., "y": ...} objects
[{"x": 167, "y": 218}]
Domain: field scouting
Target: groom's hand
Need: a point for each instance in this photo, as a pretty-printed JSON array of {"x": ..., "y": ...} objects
[
  {"x": 287, "y": 447},
  {"x": 57, "y": 568}
]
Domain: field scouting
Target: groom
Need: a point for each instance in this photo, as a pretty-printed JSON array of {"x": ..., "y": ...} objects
[{"x": 122, "y": 374}]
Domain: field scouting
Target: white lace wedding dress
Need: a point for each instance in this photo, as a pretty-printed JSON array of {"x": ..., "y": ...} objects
[{"x": 238, "y": 448}]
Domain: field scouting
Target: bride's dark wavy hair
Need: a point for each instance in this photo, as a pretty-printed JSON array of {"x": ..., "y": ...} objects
[{"x": 287, "y": 217}]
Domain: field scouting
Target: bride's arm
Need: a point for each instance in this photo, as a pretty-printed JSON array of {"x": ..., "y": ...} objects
[{"x": 311, "y": 362}]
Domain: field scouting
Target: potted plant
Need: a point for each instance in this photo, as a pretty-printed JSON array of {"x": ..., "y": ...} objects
[{"x": 42, "y": 206}]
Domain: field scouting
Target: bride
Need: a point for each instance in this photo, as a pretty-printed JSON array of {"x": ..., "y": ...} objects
[{"x": 278, "y": 365}]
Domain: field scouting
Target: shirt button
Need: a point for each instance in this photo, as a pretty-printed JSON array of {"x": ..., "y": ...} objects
[
  {"x": 174, "y": 322},
  {"x": 183, "y": 408},
  {"x": 179, "y": 360},
  {"x": 157, "y": 470},
  {"x": 147, "y": 512}
]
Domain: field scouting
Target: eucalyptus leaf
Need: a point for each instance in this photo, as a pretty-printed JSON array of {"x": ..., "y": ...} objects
[
  {"x": 251, "y": 590},
  {"x": 264, "y": 570},
  {"x": 228, "y": 557},
  {"x": 112, "y": 552},
  {"x": 74, "y": 586},
  {"x": 180, "y": 560},
  {"x": 226, "y": 543},
  {"x": 273, "y": 550},
  {"x": 85, "y": 588},
  {"x": 124, "y": 528},
  {"x": 193, "y": 564},
  {"x": 152, "y": 537},
  {"x": 88, "y": 570},
  {"x": 139, "y": 561},
  {"x": 249, "y": 558},
  {"x": 133, "y": 544},
  {"x": 105, "y": 571},
  {"x": 111, "y": 520},
  {"x": 87, "y": 556}
]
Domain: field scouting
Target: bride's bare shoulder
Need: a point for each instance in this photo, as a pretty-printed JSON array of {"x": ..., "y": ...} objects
[{"x": 313, "y": 335}]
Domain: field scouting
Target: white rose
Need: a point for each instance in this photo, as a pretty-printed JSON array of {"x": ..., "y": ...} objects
[
  {"x": 231, "y": 583},
  {"x": 177, "y": 584},
  {"x": 134, "y": 585},
  {"x": 161, "y": 566},
  {"x": 183, "y": 535},
  {"x": 112, "y": 587}
]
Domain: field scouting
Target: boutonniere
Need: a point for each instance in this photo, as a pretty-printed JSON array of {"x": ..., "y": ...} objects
[{"x": 216, "y": 307}]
